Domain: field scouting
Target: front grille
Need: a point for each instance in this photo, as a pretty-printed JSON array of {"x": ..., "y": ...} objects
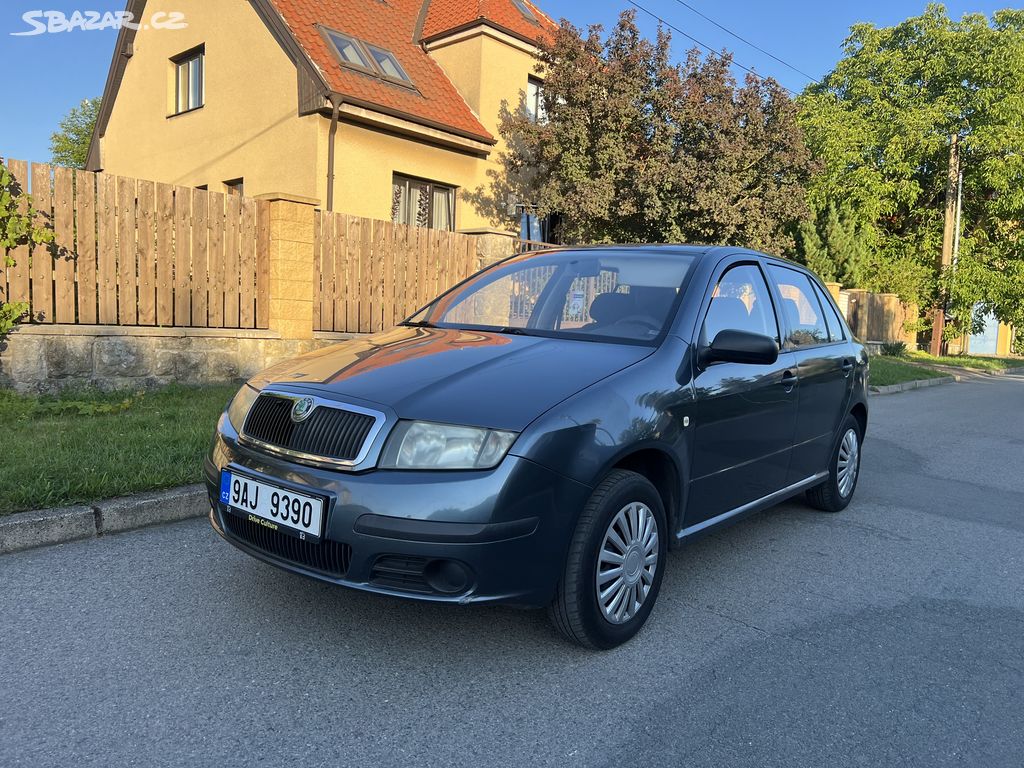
[
  {"x": 330, "y": 557},
  {"x": 404, "y": 572},
  {"x": 328, "y": 432}
]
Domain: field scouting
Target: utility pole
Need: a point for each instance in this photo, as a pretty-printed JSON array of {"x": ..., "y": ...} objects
[{"x": 948, "y": 237}]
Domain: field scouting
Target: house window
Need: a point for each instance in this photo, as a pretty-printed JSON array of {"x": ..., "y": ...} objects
[
  {"x": 368, "y": 59},
  {"x": 524, "y": 9},
  {"x": 348, "y": 50},
  {"x": 235, "y": 187},
  {"x": 189, "y": 80},
  {"x": 422, "y": 203},
  {"x": 388, "y": 64},
  {"x": 535, "y": 100}
]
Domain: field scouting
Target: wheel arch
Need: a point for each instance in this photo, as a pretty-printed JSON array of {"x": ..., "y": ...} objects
[
  {"x": 860, "y": 413},
  {"x": 661, "y": 469}
]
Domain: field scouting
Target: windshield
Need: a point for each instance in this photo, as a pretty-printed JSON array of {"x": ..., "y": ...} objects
[{"x": 610, "y": 294}]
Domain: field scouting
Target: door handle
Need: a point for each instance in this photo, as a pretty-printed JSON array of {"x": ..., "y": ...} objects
[
  {"x": 789, "y": 381},
  {"x": 847, "y": 366}
]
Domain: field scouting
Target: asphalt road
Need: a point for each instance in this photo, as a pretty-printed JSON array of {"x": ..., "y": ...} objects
[{"x": 889, "y": 635}]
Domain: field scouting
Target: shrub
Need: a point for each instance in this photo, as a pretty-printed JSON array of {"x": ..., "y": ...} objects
[{"x": 894, "y": 349}]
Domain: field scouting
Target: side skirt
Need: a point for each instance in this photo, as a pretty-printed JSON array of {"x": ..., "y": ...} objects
[{"x": 754, "y": 506}]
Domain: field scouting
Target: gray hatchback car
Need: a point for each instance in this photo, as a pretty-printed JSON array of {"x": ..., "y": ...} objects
[{"x": 544, "y": 432}]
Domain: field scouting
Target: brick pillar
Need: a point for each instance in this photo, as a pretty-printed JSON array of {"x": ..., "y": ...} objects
[
  {"x": 290, "y": 261},
  {"x": 834, "y": 289}
]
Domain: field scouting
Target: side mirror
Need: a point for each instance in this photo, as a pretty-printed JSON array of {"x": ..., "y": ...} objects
[{"x": 740, "y": 347}]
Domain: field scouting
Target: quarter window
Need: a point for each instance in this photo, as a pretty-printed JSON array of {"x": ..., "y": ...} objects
[
  {"x": 422, "y": 203},
  {"x": 741, "y": 302},
  {"x": 189, "y": 80},
  {"x": 835, "y": 325},
  {"x": 800, "y": 307}
]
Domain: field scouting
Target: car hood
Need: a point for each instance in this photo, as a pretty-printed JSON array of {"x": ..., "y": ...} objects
[{"x": 454, "y": 376}]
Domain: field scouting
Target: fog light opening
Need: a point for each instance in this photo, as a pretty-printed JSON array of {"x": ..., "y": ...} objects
[{"x": 447, "y": 576}]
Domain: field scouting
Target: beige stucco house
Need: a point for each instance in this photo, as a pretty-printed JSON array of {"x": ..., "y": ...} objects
[{"x": 387, "y": 110}]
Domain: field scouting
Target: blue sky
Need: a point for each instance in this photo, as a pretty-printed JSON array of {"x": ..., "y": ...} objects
[{"x": 53, "y": 72}]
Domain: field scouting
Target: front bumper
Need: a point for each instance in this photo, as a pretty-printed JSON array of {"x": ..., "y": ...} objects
[{"x": 507, "y": 529}]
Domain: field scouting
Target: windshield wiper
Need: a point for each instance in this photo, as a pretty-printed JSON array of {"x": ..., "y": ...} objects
[
  {"x": 418, "y": 324},
  {"x": 512, "y": 331}
]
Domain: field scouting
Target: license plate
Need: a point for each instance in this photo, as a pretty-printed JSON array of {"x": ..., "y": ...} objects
[{"x": 273, "y": 507}]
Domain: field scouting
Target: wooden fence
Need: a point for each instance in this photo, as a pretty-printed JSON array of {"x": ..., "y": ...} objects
[
  {"x": 879, "y": 316},
  {"x": 371, "y": 274},
  {"x": 132, "y": 252}
]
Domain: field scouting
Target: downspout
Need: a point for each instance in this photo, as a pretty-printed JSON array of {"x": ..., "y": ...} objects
[{"x": 336, "y": 103}]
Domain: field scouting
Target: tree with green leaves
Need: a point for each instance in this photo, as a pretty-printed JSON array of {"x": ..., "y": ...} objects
[
  {"x": 880, "y": 124},
  {"x": 69, "y": 144},
  {"x": 635, "y": 148},
  {"x": 18, "y": 226}
]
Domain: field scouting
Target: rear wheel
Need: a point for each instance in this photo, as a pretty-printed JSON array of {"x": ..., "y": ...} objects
[
  {"x": 835, "y": 493},
  {"x": 614, "y": 568}
]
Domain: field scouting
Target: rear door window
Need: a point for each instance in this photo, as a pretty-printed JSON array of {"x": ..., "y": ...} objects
[{"x": 804, "y": 316}]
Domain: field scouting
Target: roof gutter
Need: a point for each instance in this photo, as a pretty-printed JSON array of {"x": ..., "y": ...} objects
[{"x": 336, "y": 103}]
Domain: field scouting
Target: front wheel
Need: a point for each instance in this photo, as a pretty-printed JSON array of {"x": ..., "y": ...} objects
[
  {"x": 615, "y": 563},
  {"x": 835, "y": 494}
]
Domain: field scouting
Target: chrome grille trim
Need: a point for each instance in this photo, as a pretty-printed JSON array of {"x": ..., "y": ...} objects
[{"x": 315, "y": 459}]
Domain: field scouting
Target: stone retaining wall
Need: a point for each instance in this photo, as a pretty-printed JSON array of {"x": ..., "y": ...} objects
[{"x": 53, "y": 357}]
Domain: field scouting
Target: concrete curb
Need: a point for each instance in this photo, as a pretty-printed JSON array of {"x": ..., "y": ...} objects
[
  {"x": 892, "y": 389},
  {"x": 27, "y": 530}
]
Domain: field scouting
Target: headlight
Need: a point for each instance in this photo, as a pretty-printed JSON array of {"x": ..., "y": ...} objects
[
  {"x": 240, "y": 405},
  {"x": 424, "y": 445}
]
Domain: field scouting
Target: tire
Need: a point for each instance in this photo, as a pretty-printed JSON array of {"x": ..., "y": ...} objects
[
  {"x": 577, "y": 610},
  {"x": 835, "y": 494}
]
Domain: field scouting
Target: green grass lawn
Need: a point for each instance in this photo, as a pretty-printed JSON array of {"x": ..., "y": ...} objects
[
  {"x": 84, "y": 446},
  {"x": 892, "y": 370},
  {"x": 969, "y": 361}
]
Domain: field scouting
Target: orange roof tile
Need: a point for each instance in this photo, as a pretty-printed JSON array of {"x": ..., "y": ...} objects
[
  {"x": 446, "y": 15},
  {"x": 391, "y": 25}
]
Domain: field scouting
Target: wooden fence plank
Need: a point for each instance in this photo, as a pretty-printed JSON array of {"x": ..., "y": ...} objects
[
  {"x": 387, "y": 255},
  {"x": 362, "y": 229},
  {"x": 106, "y": 248},
  {"x": 19, "y": 276},
  {"x": 164, "y": 254},
  {"x": 182, "y": 256},
  {"x": 262, "y": 264},
  {"x": 332, "y": 286},
  {"x": 42, "y": 255},
  {"x": 231, "y": 276},
  {"x": 64, "y": 245},
  {"x": 351, "y": 238},
  {"x": 412, "y": 259},
  {"x": 147, "y": 252},
  {"x": 215, "y": 260},
  {"x": 340, "y": 269},
  {"x": 85, "y": 224},
  {"x": 247, "y": 264},
  {"x": 200, "y": 257},
  {"x": 127, "y": 269}
]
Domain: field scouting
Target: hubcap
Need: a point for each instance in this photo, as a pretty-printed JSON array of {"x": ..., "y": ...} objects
[
  {"x": 848, "y": 463},
  {"x": 627, "y": 562}
]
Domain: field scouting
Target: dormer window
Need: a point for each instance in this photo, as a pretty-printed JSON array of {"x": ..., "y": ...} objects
[{"x": 366, "y": 58}]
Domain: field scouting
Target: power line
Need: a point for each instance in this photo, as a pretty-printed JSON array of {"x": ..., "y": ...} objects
[
  {"x": 744, "y": 40},
  {"x": 703, "y": 45}
]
